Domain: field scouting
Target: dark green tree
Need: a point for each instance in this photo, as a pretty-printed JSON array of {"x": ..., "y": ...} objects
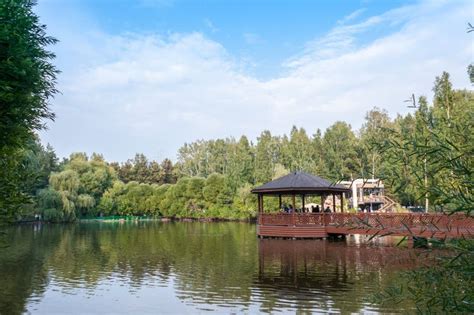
[
  {"x": 339, "y": 143},
  {"x": 373, "y": 131},
  {"x": 27, "y": 84},
  {"x": 442, "y": 139},
  {"x": 168, "y": 175},
  {"x": 266, "y": 156},
  {"x": 296, "y": 152}
]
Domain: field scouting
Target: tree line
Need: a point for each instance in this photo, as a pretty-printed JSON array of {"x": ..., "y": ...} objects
[{"x": 214, "y": 178}]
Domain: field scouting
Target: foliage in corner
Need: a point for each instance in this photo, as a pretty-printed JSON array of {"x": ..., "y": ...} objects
[{"x": 27, "y": 84}]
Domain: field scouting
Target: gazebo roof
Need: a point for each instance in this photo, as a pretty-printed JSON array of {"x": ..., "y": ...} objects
[{"x": 300, "y": 183}]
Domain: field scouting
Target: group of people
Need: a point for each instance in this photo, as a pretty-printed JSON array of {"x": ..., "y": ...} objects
[{"x": 289, "y": 209}]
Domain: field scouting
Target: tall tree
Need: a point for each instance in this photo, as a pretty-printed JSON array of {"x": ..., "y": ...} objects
[
  {"x": 168, "y": 175},
  {"x": 140, "y": 171},
  {"x": 77, "y": 189},
  {"x": 296, "y": 151},
  {"x": 27, "y": 84},
  {"x": 440, "y": 146},
  {"x": 339, "y": 143},
  {"x": 373, "y": 131},
  {"x": 240, "y": 163},
  {"x": 266, "y": 156},
  {"x": 318, "y": 165}
]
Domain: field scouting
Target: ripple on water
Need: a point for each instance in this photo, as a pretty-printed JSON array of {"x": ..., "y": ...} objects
[{"x": 184, "y": 268}]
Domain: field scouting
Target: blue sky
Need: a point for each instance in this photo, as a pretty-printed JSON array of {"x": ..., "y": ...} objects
[
  {"x": 262, "y": 32},
  {"x": 149, "y": 75}
]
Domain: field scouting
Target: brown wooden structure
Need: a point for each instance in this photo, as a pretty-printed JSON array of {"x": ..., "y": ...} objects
[{"x": 299, "y": 224}]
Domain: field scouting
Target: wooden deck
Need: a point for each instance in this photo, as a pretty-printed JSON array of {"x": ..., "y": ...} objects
[{"x": 320, "y": 225}]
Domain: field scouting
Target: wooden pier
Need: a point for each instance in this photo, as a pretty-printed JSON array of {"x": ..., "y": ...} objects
[{"x": 320, "y": 225}]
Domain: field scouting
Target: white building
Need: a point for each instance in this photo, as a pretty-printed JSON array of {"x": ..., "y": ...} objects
[{"x": 368, "y": 195}]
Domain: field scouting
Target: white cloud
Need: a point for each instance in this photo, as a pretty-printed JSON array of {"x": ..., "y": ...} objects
[
  {"x": 149, "y": 93},
  {"x": 352, "y": 16}
]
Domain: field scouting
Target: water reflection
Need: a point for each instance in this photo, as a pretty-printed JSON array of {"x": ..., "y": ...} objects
[
  {"x": 151, "y": 267},
  {"x": 329, "y": 275}
]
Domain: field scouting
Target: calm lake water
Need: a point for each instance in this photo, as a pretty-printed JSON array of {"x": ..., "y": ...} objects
[{"x": 187, "y": 268}]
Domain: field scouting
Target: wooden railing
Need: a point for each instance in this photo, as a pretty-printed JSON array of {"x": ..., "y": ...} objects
[
  {"x": 396, "y": 223},
  {"x": 400, "y": 220},
  {"x": 289, "y": 219}
]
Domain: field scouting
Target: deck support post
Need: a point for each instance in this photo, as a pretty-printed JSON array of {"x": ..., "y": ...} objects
[
  {"x": 342, "y": 202},
  {"x": 259, "y": 210},
  {"x": 294, "y": 210},
  {"x": 302, "y": 199},
  {"x": 260, "y": 203},
  {"x": 322, "y": 202},
  {"x": 333, "y": 202},
  {"x": 279, "y": 201}
]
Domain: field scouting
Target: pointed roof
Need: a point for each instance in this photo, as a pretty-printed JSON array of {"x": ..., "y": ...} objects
[{"x": 301, "y": 183}]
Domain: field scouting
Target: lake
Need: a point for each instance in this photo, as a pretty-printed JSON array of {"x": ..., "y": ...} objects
[{"x": 190, "y": 267}]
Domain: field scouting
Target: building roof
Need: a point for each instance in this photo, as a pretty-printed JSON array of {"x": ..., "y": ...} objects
[{"x": 300, "y": 183}]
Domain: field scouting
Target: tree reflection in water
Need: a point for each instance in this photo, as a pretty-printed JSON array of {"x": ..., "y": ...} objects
[
  {"x": 223, "y": 267},
  {"x": 329, "y": 275}
]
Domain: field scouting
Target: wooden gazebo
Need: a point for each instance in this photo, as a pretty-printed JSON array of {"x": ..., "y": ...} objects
[
  {"x": 301, "y": 224},
  {"x": 296, "y": 223}
]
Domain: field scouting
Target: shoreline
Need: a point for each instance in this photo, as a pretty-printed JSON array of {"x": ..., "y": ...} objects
[
  {"x": 166, "y": 219},
  {"x": 136, "y": 219}
]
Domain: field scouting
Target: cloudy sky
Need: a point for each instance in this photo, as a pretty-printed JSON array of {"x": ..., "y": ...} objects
[{"x": 149, "y": 75}]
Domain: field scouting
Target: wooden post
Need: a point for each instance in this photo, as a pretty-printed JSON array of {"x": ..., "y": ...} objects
[
  {"x": 263, "y": 209},
  {"x": 279, "y": 199},
  {"x": 322, "y": 210},
  {"x": 342, "y": 202},
  {"x": 302, "y": 199},
  {"x": 294, "y": 210},
  {"x": 258, "y": 204},
  {"x": 333, "y": 202},
  {"x": 259, "y": 212}
]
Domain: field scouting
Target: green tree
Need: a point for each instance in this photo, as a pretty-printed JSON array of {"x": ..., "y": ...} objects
[
  {"x": 245, "y": 203},
  {"x": 140, "y": 171},
  {"x": 296, "y": 152},
  {"x": 266, "y": 156},
  {"x": 124, "y": 171},
  {"x": 240, "y": 163},
  {"x": 108, "y": 204},
  {"x": 27, "y": 84},
  {"x": 318, "y": 166},
  {"x": 373, "y": 131},
  {"x": 167, "y": 175},
  {"x": 81, "y": 186},
  {"x": 154, "y": 173},
  {"x": 65, "y": 185},
  {"x": 193, "y": 159},
  {"x": 442, "y": 138},
  {"x": 339, "y": 143}
]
